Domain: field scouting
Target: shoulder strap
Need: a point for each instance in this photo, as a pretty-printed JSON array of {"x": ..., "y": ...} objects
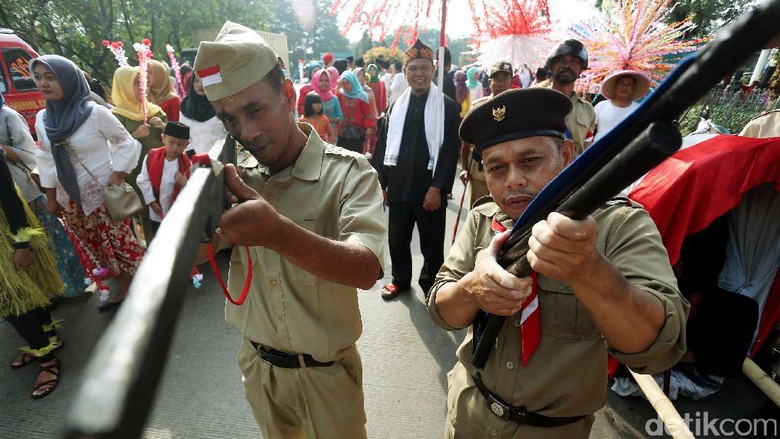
[{"x": 65, "y": 144}]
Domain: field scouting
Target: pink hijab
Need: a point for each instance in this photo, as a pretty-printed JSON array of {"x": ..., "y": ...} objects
[
  {"x": 334, "y": 75},
  {"x": 315, "y": 83}
]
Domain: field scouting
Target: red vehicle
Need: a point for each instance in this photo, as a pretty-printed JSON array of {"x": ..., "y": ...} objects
[{"x": 16, "y": 81}]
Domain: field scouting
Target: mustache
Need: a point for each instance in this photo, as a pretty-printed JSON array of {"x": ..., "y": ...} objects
[{"x": 520, "y": 193}]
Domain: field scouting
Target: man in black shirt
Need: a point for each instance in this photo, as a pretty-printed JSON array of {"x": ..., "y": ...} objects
[{"x": 416, "y": 155}]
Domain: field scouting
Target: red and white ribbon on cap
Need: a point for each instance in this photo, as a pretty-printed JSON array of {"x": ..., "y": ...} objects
[{"x": 210, "y": 76}]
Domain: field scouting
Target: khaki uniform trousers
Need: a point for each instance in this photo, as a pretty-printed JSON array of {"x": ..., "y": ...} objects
[
  {"x": 311, "y": 402},
  {"x": 466, "y": 407}
]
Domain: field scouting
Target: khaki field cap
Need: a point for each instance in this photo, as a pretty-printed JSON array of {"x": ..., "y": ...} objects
[{"x": 236, "y": 59}]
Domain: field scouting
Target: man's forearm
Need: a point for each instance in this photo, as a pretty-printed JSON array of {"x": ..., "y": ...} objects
[
  {"x": 454, "y": 305},
  {"x": 335, "y": 261},
  {"x": 629, "y": 317}
]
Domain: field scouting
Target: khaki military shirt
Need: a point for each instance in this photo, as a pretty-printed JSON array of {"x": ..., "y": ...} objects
[
  {"x": 334, "y": 193},
  {"x": 766, "y": 125},
  {"x": 567, "y": 375},
  {"x": 581, "y": 121}
]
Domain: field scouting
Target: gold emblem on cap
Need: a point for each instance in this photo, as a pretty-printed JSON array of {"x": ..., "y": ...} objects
[{"x": 499, "y": 113}]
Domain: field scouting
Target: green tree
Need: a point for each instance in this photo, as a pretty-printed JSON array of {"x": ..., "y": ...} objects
[
  {"x": 76, "y": 28},
  {"x": 308, "y": 35}
]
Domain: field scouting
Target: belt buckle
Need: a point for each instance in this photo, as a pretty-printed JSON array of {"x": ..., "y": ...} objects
[{"x": 498, "y": 409}]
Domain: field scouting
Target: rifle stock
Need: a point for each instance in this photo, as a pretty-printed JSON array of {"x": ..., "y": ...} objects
[
  {"x": 119, "y": 384},
  {"x": 683, "y": 87}
]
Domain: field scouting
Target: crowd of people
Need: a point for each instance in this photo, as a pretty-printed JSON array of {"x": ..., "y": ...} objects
[
  {"x": 317, "y": 168},
  {"x": 86, "y": 140}
]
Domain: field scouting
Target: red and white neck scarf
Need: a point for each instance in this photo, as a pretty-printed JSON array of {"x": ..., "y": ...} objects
[{"x": 530, "y": 321}]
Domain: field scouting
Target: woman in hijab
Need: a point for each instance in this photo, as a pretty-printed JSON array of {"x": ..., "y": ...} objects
[
  {"x": 19, "y": 147},
  {"x": 380, "y": 93},
  {"x": 199, "y": 115},
  {"x": 462, "y": 92},
  {"x": 311, "y": 68},
  {"x": 28, "y": 281},
  {"x": 330, "y": 104},
  {"x": 82, "y": 147},
  {"x": 475, "y": 87},
  {"x": 161, "y": 90},
  {"x": 334, "y": 74},
  {"x": 370, "y": 142},
  {"x": 358, "y": 115},
  {"x": 126, "y": 94}
]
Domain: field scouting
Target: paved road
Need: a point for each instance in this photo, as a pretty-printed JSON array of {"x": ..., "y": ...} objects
[{"x": 405, "y": 360}]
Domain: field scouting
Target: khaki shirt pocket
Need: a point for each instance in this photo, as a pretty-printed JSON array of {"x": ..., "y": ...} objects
[{"x": 562, "y": 314}]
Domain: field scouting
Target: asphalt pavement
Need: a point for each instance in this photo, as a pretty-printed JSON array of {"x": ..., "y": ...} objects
[{"x": 405, "y": 359}]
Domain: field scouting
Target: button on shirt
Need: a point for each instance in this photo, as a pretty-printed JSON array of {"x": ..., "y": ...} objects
[{"x": 334, "y": 193}]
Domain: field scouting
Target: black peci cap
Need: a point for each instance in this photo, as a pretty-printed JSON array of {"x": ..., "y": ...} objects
[
  {"x": 177, "y": 130},
  {"x": 516, "y": 114}
]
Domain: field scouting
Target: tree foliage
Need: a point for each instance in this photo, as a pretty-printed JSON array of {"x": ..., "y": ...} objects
[
  {"x": 310, "y": 32},
  {"x": 76, "y": 28}
]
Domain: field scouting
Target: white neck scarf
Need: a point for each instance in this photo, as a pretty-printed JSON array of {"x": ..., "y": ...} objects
[{"x": 434, "y": 126}]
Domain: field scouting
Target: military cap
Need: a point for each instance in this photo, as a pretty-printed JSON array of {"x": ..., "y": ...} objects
[
  {"x": 236, "y": 59},
  {"x": 501, "y": 66},
  {"x": 419, "y": 50},
  {"x": 177, "y": 130},
  {"x": 516, "y": 114}
]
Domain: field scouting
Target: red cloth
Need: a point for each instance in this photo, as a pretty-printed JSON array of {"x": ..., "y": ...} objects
[
  {"x": 302, "y": 97},
  {"x": 155, "y": 162},
  {"x": 530, "y": 320},
  {"x": 686, "y": 192},
  {"x": 171, "y": 107},
  {"x": 380, "y": 94}
]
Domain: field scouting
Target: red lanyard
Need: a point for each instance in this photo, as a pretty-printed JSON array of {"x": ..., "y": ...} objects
[{"x": 247, "y": 283}]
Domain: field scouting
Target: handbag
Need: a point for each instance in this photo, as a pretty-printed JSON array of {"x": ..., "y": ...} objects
[{"x": 122, "y": 201}]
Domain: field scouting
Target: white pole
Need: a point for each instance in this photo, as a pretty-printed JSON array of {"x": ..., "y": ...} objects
[
  {"x": 762, "y": 60},
  {"x": 666, "y": 411},
  {"x": 440, "y": 79},
  {"x": 762, "y": 380}
]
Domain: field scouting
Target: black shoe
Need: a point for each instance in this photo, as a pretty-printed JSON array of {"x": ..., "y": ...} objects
[{"x": 110, "y": 306}]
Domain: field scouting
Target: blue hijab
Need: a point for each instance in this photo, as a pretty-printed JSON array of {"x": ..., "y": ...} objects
[
  {"x": 357, "y": 90},
  {"x": 64, "y": 117}
]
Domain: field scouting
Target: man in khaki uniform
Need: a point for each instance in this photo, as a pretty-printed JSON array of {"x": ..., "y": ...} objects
[
  {"x": 565, "y": 62},
  {"x": 471, "y": 162},
  {"x": 765, "y": 125},
  {"x": 602, "y": 285},
  {"x": 310, "y": 228}
]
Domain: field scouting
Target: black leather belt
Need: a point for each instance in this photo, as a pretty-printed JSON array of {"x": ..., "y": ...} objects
[
  {"x": 287, "y": 360},
  {"x": 518, "y": 414}
]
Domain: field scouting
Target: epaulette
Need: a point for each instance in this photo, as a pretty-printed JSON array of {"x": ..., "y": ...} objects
[
  {"x": 485, "y": 206},
  {"x": 617, "y": 201}
]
